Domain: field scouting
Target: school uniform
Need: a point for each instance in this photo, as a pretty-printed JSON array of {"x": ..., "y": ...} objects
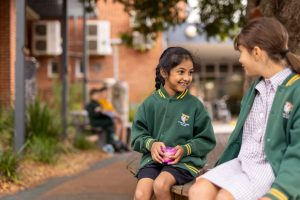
[
  {"x": 178, "y": 120},
  {"x": 98, "y": 119},
  {"x": 262, "y": 156}
]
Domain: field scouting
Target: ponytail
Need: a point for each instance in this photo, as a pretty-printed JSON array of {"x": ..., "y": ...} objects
[
  {"x": 158, "y": 78},
  {"x": 294, "y": 61}
]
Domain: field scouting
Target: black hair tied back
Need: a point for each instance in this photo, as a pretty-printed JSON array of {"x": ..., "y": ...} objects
[
  {"x": 158, "y": 78},
  {"x": 283, "y": 53}
]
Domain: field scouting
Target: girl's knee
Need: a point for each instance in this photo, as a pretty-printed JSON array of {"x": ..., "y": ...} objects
[
  {"x": 195, "y": 189},
  {"x": 161, "y": 185},
  {"x": 141, "y": 195},
  {"x": 202, "y": 188}
]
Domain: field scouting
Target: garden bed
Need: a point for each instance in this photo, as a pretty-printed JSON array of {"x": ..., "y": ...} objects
[{"x": 31, "y": 173}]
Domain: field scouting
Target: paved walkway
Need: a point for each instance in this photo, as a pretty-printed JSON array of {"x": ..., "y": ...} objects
[{"x": 107, "y": 180}]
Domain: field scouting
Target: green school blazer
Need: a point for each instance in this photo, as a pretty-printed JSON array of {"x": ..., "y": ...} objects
[
  {"x": 282, "y": 138},
  {"x": 178, "y": 120}
]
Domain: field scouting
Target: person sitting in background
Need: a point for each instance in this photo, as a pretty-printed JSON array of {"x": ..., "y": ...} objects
[
  {"x": 98, "y": 118},
  {"x": 108, "y": 109}
]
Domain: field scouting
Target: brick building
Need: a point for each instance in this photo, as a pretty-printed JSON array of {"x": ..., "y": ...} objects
[
  {"x": 135, "y": 68},
  {"x": 7, "y": 50}
]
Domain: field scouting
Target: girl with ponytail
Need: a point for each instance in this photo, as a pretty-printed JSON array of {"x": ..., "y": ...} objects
[
  {"x": 171, "y": 129},
  {"x": 261, "y": 160}
]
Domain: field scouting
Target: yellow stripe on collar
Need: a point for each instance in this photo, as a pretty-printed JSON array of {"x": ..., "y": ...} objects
[
  {"x": 292, "y": 80},
  {"x": 278, "y": 194},
  {"x": 161, "y": 94},
  {"x": 182, "y": 94}
]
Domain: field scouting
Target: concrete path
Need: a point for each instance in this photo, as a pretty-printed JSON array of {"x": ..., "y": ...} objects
[{"x": 107, "y": 180}]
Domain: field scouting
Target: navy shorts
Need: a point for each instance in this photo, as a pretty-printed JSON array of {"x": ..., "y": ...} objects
[{"x": 152, "y": 171}]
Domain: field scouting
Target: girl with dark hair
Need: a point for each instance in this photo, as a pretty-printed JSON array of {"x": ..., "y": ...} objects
[
  {"x": 171, "y": 129},
  {"x": 261, "y": 160}
]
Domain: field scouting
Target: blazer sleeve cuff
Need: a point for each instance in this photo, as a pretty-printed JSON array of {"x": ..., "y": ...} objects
[
  {"x": 149, "y": 142},
  {"x": 276, "y": 194},
  {"x": 187, "y": 150}
]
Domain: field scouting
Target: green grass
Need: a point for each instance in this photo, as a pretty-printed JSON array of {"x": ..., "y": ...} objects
[
  {"x": 41, "y": 121},
  {"x": 44, "y": 149},
  {"x": 80, "y": 142},
  {"x": 9, "y": 163}
]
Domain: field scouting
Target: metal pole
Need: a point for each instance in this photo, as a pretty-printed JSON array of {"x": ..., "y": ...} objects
[
  {"x": 64, "y": 74},
  {"x": 19, "y": 115},
  {"x": 85, "y": 59}
]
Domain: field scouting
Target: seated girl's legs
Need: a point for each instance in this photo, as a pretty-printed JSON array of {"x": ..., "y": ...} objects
[
  {"x": 144, "y": 189},
  {"x": 162, "y": 186},
  {"x": 107, "y": 125},
  {"x": 203, "y": 189},
  {"x": 224, "y": 195},
  {"x": 120, "y": 129}
]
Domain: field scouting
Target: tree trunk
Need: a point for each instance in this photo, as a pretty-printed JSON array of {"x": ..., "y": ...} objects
[{"x": 287, "y": 12}]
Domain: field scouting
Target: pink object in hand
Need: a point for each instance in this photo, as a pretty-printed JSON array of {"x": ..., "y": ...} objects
[{"x": 169, "y": 151}]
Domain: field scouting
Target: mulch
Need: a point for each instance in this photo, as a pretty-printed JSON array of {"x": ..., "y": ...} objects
[{"x": 31, "y": 173}]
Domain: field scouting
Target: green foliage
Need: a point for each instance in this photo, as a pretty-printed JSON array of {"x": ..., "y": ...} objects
[
  {"x": 75, "y": 96},
  {"x": 80, "y": 142},
  {"x": 6, "y": 127},
  {"x": 41, "y": 121},
  {"x": 9, "y": 163},
  {"x": 221, "y": 18},
  {"x": 153, "y": 16},
  {"x": 44, "y": 149},
  {"x": 150, "y": 18}
]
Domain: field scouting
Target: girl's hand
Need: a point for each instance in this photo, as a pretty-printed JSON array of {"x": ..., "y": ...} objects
[
  {"x": 264, "y": 198},
  {"x": 178, "y": 155},
  {"x": 156, "y": 151}
]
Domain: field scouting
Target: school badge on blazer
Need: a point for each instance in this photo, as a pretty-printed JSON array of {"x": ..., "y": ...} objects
[
  {"x": 183, "y": 119},
  {"x": 288, "y": 106}
]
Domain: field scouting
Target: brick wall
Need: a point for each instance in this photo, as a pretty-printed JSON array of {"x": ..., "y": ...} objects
[
  {"x": 137, "y": 69},
  {"x": 7, "y": 50}
]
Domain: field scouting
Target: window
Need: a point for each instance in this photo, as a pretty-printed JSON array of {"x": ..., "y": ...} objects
[
  {"x": 224, "y": 68},
  {"x": 79, "y": 69},
  {"x": 52, "y": 70},
  {"x": 238, "y": 68},
  {"x": 210, "y": 68}
]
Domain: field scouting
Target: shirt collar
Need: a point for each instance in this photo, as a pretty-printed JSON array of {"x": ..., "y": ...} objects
[
  {"x": 276, "y": 80},
  {"x": 179, "y": 95}
]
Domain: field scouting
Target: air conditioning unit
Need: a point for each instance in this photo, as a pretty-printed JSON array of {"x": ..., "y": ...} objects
[
  {"x": 46, "y": 38},
  {"x": 99, "y": 37}
]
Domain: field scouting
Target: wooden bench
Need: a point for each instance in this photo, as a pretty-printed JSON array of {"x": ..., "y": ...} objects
[{"x": 180, "y": 192}]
